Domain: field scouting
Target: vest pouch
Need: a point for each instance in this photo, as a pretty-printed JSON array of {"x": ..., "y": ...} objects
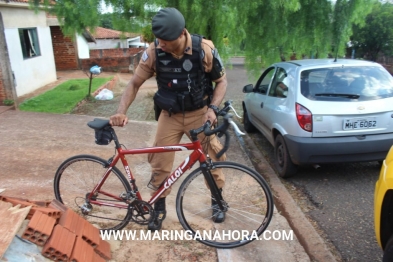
[
  {"x": 157, "y": 112},
  {"x": 197, "y": 96},
  {"x": 167, "y": 100}
]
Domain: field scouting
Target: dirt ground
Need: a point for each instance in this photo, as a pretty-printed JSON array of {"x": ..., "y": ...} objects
[
  {"x": 43, "y": 158},
  {"x": 141, "y": 109}
]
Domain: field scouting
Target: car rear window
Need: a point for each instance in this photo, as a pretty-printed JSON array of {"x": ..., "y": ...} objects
[{"x": 346, "y": 83}]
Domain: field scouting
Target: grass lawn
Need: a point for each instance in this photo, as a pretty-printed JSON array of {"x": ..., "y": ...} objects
[{"x": 63, "y": 98}]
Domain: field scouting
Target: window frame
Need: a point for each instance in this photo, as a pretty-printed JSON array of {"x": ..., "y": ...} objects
[{"x": 29, "y": 42}]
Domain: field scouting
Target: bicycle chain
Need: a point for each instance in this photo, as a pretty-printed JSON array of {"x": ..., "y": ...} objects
[{"x": 143, "y": 215}]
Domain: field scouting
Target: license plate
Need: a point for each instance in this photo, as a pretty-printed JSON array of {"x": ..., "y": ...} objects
[{"x": 359, "y": 123}]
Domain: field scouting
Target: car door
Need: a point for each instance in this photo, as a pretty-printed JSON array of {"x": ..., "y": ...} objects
[
  {"x": 276, "y": 112},
  {"x": 258, "y": 98}
]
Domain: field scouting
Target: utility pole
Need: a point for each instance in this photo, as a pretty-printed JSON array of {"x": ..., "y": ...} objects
[{"x": 5, "y": 66}]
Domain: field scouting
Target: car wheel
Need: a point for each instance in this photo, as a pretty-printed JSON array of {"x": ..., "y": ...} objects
[
  {"x": 388, "y": 251},
  {"x": 283, "y": 163},
  {"x": 248, "y": 126}
]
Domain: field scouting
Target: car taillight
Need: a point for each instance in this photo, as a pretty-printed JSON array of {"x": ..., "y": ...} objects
[{"x": 304, "y": 117}]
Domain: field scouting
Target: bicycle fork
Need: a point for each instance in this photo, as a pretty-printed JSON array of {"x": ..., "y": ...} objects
[{"x": 214, "y": 190}]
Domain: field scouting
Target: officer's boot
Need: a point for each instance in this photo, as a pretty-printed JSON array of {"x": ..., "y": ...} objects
[
  {"x": 159, "y": 215},
  {"x": 218, "y": 215}
]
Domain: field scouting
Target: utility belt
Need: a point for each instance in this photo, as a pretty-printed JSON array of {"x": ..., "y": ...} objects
[{"x": 179, "y": 102}]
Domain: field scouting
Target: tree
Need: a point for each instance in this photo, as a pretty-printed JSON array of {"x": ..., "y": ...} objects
[
  {"x": 268, "y": 30},
  {"x": 147, "y": 34},
  {"x": 376, "y": 36},
  {"x": 106, "y": 20}
]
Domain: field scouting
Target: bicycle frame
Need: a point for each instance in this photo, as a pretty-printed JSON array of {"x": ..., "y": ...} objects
[{"x": 196, "y": 155}]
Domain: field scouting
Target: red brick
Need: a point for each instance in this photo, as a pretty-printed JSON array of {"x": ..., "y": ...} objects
[
  {"x": 76, "y": 224},
  {"x": 46, "y": 210},
  {"x": 56, "y": 204},
  {"x": 16, "y": 201},
  {"x": 91, "y": 234},
  {"x": 72, "y": 221},
  {"x": 98, "y": 258},
  {"x": 60, "y": 244},
  {"x": 104, "y": 249},
  {"x": 64, "y": 50},
  {"x": 39, "y": 228},
  {"x": 82, "y": 251}
]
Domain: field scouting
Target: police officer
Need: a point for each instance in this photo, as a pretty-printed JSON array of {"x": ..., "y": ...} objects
[{"x": 177, "y": 58}]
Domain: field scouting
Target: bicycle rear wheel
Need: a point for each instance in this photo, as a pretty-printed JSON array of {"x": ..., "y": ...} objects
[
  {"x": 77, "y": 177},
  {"x": 249, "y": 207}
]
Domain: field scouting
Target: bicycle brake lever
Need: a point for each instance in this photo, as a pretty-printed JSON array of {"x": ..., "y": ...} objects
[
  {"x": 237, "y": 130},
  {"x": 233, "y": 109}
]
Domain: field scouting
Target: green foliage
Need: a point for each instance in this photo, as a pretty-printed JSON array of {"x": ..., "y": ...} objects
[
  {"x": 347, "y": 13},
  {"x": 8, "y": 102},
  {"x": 75, "y": 87},
  {"x": 376, "y": 36},
  {"x": 147, "y": 34},
  {"x": 106, "y": 21},
  {"x": 267, "y": 31},
  {"x": 74, "y": 16},
  {"x": 63, "y": 98}
]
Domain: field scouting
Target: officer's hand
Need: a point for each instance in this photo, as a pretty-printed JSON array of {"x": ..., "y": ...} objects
[
  {"x": 118, "y": 120},
  {"x": 211, "y": 116}
]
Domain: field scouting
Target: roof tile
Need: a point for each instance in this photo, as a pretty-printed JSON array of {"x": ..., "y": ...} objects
[{"x": 105, "y": 33}]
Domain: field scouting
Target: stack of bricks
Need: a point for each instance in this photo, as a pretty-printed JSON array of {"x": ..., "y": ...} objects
[{"x": 62, "y": 234}]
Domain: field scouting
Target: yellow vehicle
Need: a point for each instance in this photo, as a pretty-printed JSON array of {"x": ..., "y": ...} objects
[{"x": 383, "y": 207}]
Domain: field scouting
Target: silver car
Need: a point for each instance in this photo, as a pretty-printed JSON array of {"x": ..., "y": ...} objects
[{"x": 321, "y": 111}]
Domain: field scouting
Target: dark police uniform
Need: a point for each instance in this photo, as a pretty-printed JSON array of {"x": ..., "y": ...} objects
[{"x": 171, "y": 127}]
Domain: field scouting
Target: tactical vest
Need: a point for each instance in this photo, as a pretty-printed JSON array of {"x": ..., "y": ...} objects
[{"x": 186, "y": 76}]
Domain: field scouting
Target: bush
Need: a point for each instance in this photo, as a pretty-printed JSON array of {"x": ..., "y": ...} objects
[{"x": 8, "y": 102}]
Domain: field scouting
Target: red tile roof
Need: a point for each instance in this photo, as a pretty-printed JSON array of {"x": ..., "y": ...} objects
[{"x": 105, "y": 33}]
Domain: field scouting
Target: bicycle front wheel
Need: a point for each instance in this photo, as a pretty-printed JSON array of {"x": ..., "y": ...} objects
[
  {"x": 247, "y": 197},
  {"x": 76, "y": 178}
]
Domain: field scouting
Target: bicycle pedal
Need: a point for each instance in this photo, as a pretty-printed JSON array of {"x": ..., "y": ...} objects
[{"x": 157, "y": 219}]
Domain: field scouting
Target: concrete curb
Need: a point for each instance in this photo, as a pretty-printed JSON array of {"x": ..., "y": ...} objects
[{"x": 308, "y": 237}]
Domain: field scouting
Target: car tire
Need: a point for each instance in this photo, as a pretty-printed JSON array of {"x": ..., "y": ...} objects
[
  {"x": 388, "y": 251},
  {"x": 283, "y": 163},
  {"x": 248, "y": 126}
]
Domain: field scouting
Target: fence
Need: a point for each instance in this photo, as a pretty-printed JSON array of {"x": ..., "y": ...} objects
[{"x": 123, "y": 60}]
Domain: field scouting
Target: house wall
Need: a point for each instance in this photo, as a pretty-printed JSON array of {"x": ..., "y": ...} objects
[
  {"x": 118, "y": 52},
  {"x": 113, "y": 60},
  {"x": 2, "y": 89},
  {"x": 35, "y": 72},
  {"x": 65, "y": 52},
  {"x": 83, "y": 47},
  {"x": 108, "y": 44}
]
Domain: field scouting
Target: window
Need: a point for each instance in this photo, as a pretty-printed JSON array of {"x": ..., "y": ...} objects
[
  {"x": 280, "y": 84},
  {"x": 29, "y": 42},
  {"x": 347, "y": 83},
  {"x": 264, "y": 81}
]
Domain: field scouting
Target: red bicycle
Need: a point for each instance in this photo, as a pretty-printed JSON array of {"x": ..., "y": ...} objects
[{"x": 97, "y": 189}]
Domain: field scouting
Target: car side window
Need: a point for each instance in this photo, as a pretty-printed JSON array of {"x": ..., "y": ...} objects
[
  {"x": 280, "y": 84},
  {"x": 264, "y": 81}
]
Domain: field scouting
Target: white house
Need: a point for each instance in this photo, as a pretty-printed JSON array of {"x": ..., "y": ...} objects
[
  {"x": 107, "y": 39},
  {"x": 36, "y": 48},
  {"x": 29, "y": 44}
]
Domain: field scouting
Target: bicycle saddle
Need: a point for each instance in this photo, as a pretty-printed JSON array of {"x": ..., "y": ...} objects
[{"x": 98, "y": 123}]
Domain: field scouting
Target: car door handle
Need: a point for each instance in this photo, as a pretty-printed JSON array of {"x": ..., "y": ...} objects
[{"x": 262, "y": 105}]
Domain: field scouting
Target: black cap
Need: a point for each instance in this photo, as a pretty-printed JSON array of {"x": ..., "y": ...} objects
[{"x": 168, "y": 24}]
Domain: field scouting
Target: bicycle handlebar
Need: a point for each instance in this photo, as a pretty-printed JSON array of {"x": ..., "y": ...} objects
[
  {"x": 221, "y": 129},
  {"x": 103, "y": 124}
]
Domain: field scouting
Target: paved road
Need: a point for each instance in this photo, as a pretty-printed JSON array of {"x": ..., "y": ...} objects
[{"x": 338, "y": 197}]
